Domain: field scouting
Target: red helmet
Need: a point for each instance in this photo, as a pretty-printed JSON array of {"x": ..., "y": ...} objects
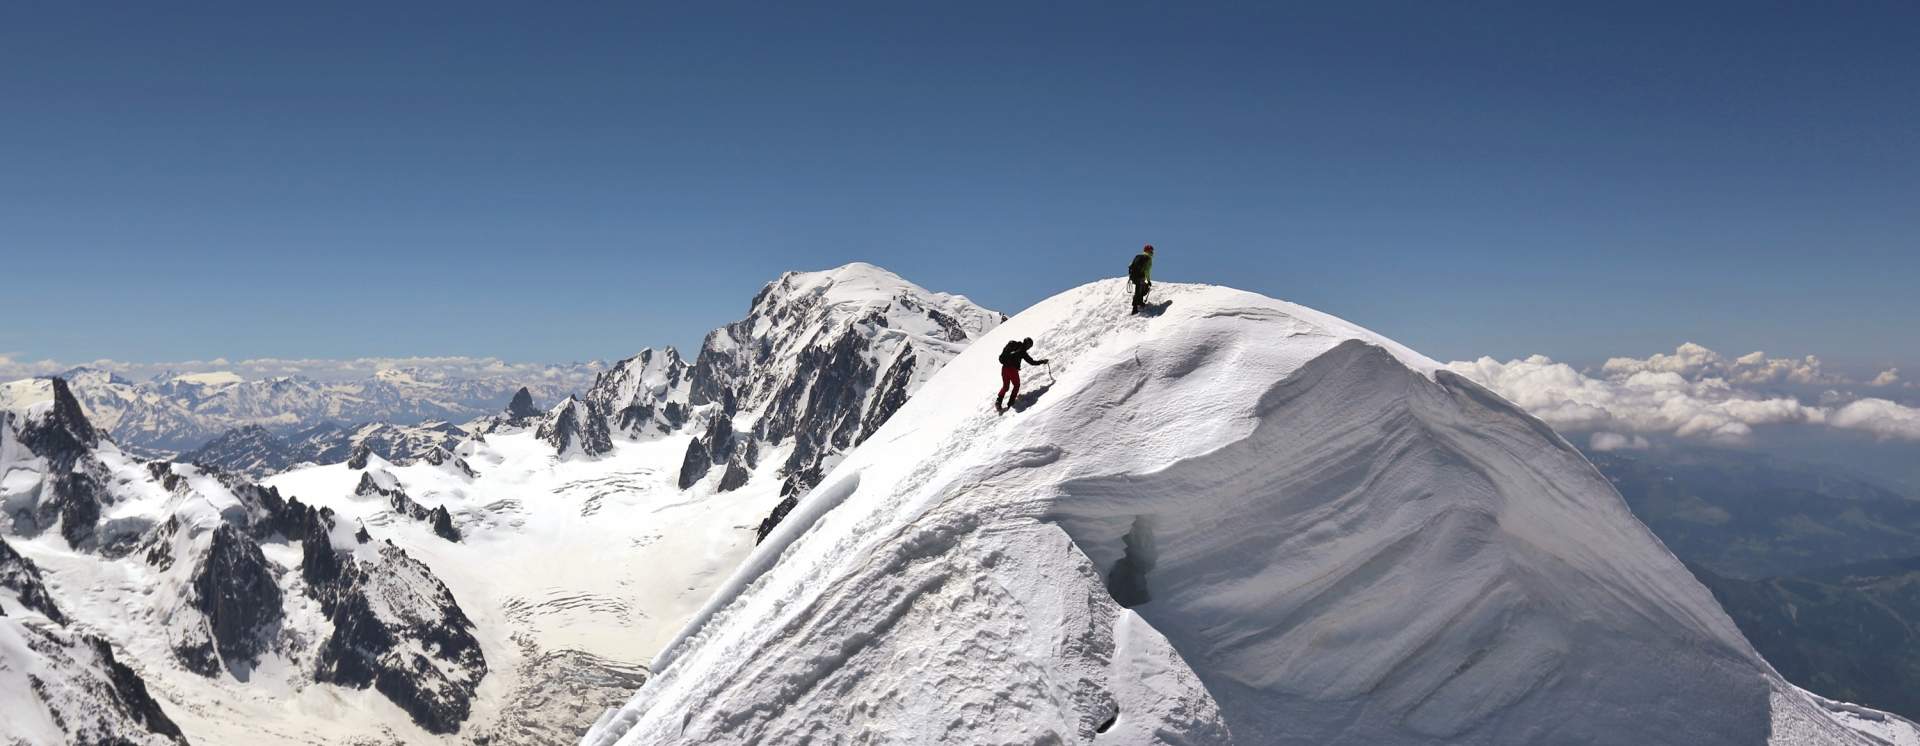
[{"x": 1148, "y": 249}]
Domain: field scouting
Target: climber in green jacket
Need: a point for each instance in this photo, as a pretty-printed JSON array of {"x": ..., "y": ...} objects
[{"x": 1140, "y": 273}]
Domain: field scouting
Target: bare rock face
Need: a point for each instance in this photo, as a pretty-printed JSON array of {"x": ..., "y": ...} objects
[
  {"x": 573, "y": 430},
  {"x": 19, "y": 575},
  {"x": 694, "y": 466},
  {"x": 773, "y": 519},
  {"x": 63, "y": 435},
  {"x": 72, "y": 494},
  {"x": 821, "y": 361},
  {"x": 643, "y": 396},
  {"x": 711, "y": 448},
  {"x": 397, "y": 629},
  {"x": 735, "y": 476},
  {"x": 521, "y": 406},
  {"x": 235, "y": 591},
  {"x": 362, "y": 454},
  {"x": 81, "y": 690}
]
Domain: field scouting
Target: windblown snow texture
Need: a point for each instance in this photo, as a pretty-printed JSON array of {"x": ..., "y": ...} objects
[{"x": 1322, "y": 539}]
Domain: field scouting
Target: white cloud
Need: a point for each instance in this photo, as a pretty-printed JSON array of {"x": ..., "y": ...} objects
[
  {"x": 1693, "y": 394},
  {"x": 1605, "y": 441},
  {"x": 1651, "y": 399},
  {"x": 1689, "y": 360},
  {"x": 1695, "y": 362},
  {"x": 1887, "y": 377},
  {"x": 1885, "y": 419}
]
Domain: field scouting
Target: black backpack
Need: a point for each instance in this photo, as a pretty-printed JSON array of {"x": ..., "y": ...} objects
[
  {"x": 1138, "y": 269},
  {"x": 1011, "y": 354}
]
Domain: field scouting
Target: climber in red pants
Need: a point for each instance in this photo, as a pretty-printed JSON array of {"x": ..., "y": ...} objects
[{"x": 1010, "y": 359}]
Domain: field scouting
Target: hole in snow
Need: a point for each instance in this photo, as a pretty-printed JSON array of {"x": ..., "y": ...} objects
[
  {"x": 1114, "y": 718},
  {"x": 1127, "y": 581}
]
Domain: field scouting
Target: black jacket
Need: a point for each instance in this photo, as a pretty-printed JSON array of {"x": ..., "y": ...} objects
[{"x": 1015, "y": 353}]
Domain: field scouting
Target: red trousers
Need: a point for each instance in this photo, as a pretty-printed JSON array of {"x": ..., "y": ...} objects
[{"x": 1009, "y": 376}]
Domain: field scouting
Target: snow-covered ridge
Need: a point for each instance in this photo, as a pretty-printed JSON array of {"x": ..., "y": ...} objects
[{"x": 1233, "y": 520}]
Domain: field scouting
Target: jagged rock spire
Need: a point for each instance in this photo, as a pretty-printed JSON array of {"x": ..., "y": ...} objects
[
  {"x": 522, "y": 405},
  {"x": 64, "y": 433}
]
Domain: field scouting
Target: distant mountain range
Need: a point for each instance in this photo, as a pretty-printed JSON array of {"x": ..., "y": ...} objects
[
  {"x": 258, "y": 452},
  {"x": 171, "y": 414},
  {"x": 1819, "y": 569}
]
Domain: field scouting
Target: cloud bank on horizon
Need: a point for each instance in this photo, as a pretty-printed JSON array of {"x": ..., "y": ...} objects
[{"x": 1695, "y": 393}]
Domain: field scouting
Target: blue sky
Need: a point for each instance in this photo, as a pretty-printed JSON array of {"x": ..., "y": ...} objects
[{"x": 539, "y": 182}]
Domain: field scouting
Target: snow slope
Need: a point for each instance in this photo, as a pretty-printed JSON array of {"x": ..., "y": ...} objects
[{"x": 1323, "y": 537}]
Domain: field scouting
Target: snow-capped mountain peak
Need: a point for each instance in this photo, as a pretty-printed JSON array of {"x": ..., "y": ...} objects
[
  {"x": 838, "y": 349},
  {"x": 644, "y": 395}
]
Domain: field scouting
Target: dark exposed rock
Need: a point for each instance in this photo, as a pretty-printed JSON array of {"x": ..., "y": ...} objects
[
  {"x": 438, "y": 517},
  {"x": 90, "y": 697},
  {"x": 64, "y": 435},
  {"x": 443, "y": 523},
  {"x": 397, "y": 629},
  {"x": 735, "y": 476},
  {"x": 719, "y": 438},
  {"x": 23, "y": 577},
  {"x": 573, "y": 428},
  {"x": 694, "y": 466},
  {"x": 773, "y": 519},
  {"x": 235, "y": 589},
  {"x": 158, "y": 545},
  {"x": 820, "y": 362},
  {"x": 643, "y": 395},
  {"x": 521, "y": 407},
  {"x": 443, "y": 457},
  {"x": 889, "y": 393},
  {"x": 320, "y": 565},
  {"x": 130, "y": 691},
  {"x": 75, "y": 503},
  {"x": 361, "y": 455},
  {"x": 710, "y": 449}
]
